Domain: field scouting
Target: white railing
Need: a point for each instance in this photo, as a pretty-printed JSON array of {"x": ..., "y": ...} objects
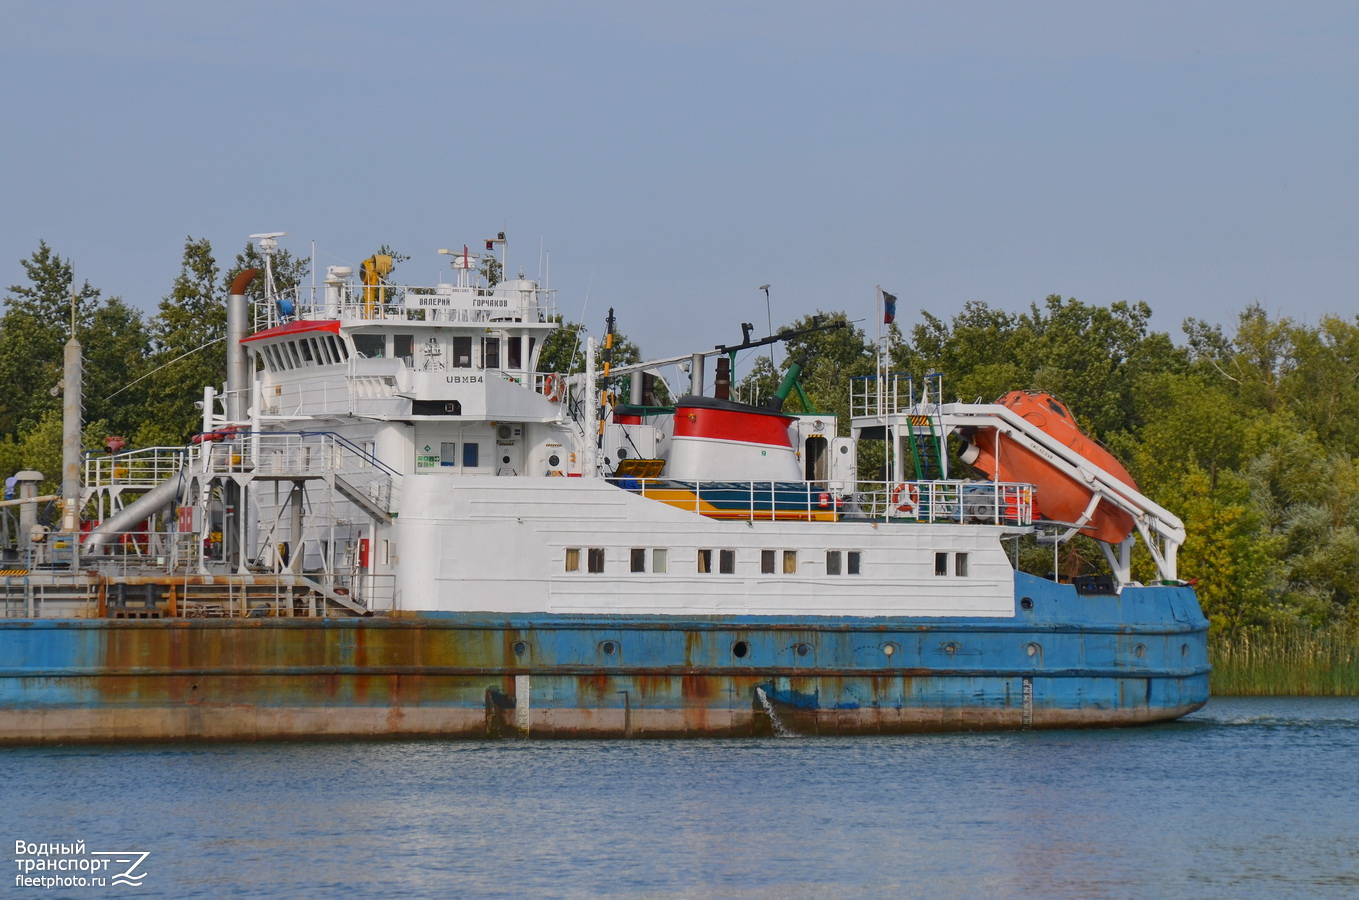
[
  {"x": 143, "y": 468},
  {"x": 302, "y": 454},
  {"x": 964, "y": 502},
  {"x": 410, "y": 303}
]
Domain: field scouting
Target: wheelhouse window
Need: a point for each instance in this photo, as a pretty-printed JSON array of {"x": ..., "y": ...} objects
[
  {"x": 462, "y": 351},
  {"x": 490, "y": 353},
  {"x": 370, "y": 346},
  {"x": 515, "y": 358},
  {"x": 403, "y": 348}
]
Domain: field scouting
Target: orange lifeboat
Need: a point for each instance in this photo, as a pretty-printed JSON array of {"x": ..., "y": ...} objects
[{"x": 1059, "y": 497}]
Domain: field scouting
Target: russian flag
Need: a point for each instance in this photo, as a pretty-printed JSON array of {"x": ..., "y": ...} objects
[{"x": 889, "y": 308}]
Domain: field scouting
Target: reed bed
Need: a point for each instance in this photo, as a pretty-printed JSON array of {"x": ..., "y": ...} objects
[{"x": 1286, "y": 660}]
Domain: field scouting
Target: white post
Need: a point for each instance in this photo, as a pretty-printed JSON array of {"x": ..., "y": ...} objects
[{"x": 591, "y": 461}]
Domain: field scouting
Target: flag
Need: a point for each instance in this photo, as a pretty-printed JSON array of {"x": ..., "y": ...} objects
[{"x": 889, "y": 308}]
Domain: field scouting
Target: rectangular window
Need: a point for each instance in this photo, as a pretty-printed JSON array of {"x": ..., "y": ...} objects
[
  {"x": 305, "y": 346},
  {"x": 573, "y": 559},
  {"x": 341, "y": 351},
  {"x": 766, "y": 562},
  {"x": 726, "y": 561},
  {"x": 638, "y": 561},
  {"x": 852, "y": 560},
  {"x": 470, "y": 452},
  {"x": 659, "y": 558},
  {"x": 595, "y": 562},
  {"x": 403, "y": 348},
  {"x": 322, "y": 351},
  {"x": 490, "y": 353},
  {"x": 462, "y": 352},
  {"x": 371, "y": 346},
  {"x": 960, "y": 565},
  {"x": 705, "y": 562},
  {"x": 789, "y": 562},
  {"x": 293, "y": 354},
  {"x": 528, "y": 356},
  {"x": 832, "y": 562},
  {"x": 516, "y": 358},
  {"x": 448, "y": 453},
  {"x": 941, "y": 563}
]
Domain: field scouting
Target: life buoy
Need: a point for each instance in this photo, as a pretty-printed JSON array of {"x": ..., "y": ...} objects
[
  {"x": 554, "y": 388},
  {"x": 906, "y": 498}
]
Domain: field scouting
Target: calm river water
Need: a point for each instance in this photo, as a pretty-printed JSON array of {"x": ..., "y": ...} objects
[{"x": 1247, "y": 798}]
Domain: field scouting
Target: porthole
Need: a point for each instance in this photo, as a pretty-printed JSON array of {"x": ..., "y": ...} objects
[
  {"x": 1026, "y": 603},
  {"x": 622, "y": 452},
  {"x": 554, "y": 460},
  {"x": 504, "y": 432},
  {"x": 889, "y": 649},
  {"x": 844, "y": 449},
  {"x": 1031, "y": 649},
  {"x": 608, "y": 648},
  {"x": 951, "y": 648},
  {"x": 505, "y": 460},
  {"x": 520, "y": 648},
  {"x": 802, "y": 649},
  {"x": 1140, "y": 650},
  {"x": 740, "y": 649}
]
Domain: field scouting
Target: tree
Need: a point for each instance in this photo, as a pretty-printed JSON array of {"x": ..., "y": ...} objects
[{"x": 33, "y": 333}]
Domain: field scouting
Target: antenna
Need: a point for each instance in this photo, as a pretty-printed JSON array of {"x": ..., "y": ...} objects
[{"x": 268, "y": 246}]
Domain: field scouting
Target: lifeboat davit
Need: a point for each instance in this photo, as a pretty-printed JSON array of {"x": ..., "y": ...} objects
[{"x": 1059, "y": 497}]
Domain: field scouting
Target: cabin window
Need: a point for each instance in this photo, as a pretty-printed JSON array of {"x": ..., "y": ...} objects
[
  {"x": 573, "y": 559},
  {"x": 595, "y": 560},
  {"x": 370, "y": 346},
  {"x": 637, "y": 561},
  {"x": 726, "y": 562},
  {"x": 513, "y": 348},
  {"x": 941, "y": 563},
  {"x": 659, "y": 558},
  {"x": 341, "y": 351},
  {"x": 832, "y": 562},
  {"x": 471, "y": 451},
  {"x": 528, "y": 355},
  {"x": 960, "y": 565},
  {"x": 766, "y": 562},
  {"x": 403, "y": 348},
  {"x": 448, "y": 453},
  {"x": 490, "y": 353},
  {"x": 705, "y": 562},
  {"x": 852, "y": 562},
  {"x": 789, "y": 562},
  {"x": 462, "y": 352}
]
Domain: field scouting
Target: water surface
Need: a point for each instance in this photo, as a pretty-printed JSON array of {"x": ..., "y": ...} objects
[{"x": 1247, "y": 798}]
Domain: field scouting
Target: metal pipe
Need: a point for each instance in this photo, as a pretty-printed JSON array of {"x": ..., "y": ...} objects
[
  {"x": 696, "y": 374},
  {"x": 238, "y": 365},
  {"x": 71, "y": 428}
]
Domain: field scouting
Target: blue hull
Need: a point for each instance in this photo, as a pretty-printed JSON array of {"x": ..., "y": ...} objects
[{"x": 1063, "y": 660}]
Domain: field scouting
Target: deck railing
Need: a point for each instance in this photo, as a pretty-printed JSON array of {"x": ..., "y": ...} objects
[{"x": 963, "y": 502}]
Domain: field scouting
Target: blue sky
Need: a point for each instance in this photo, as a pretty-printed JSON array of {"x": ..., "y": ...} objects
[{"x": 672, "y": 158}]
